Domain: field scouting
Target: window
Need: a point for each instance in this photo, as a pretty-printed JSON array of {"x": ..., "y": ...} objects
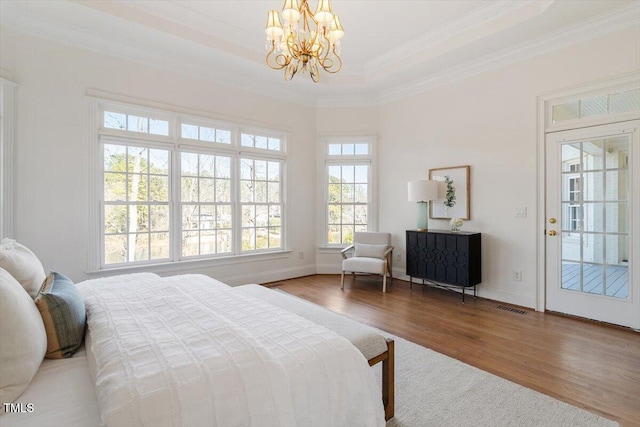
[
  {"x": 261, "y": 204},
  {"x": 611, "y": 103},
  {"x": 348, "y": 188},
  {"x": 202, "y": 193},
  {"x": 207, "y": 212},
  {"x": 136, "y": 204}
]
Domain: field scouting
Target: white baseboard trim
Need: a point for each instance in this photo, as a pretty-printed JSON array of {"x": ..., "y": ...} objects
[
  {"x": 485, "y": 291},
  {"x": 328, "y": 269},
  {"x": 269, "y": 276}
]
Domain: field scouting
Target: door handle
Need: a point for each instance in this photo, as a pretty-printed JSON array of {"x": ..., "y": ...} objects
[
  {"x": 552, "y": 220},
  {"x": 552, "y": 232}
]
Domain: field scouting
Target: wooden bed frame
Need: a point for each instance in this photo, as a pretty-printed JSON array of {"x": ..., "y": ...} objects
[{"x": 388, "y": 379}]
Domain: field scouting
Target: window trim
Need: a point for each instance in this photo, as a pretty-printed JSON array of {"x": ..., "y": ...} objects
[
  {"x": 324, "y": 160},
  {"x": 175, "y": 144}
]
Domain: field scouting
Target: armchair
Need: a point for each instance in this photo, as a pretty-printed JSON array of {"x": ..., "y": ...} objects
[{"x": 371, "y": 253}]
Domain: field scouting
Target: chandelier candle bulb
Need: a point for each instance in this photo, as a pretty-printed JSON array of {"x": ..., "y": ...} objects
[
  {"x": 323, "y": 14},
  {"x": 290, "y": 13},
  {"x": 274, "y": 27}
]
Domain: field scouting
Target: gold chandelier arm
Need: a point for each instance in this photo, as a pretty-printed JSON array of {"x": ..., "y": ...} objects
[
  {"x": 328, "y": 64},
  {"x": 279, "y": 61}
]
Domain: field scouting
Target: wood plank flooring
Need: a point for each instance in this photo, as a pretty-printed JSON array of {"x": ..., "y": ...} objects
[{"x": 587, "y": 364}]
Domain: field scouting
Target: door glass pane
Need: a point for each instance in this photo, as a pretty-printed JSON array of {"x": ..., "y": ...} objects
[
  {"x": 593, "y": 278},
  {"x": 617, "y": 215},
  {"x": 617, "y": 281},
  {"x": 617, "y": 187},
  {"x": 593, "y": 186},
  {"x": 571, "y": 157},
  {"x": 617, "y": 250},
  {"x": 571, "y": 246},
  {"x": 571, "y": 187},
  {"x": 571, "y": 278},
  {"x": 593, "y": 217},
  {"x": 592, "y": 247},
  {"x": 593, "y": 155},
  {"x": 572, "y": 218},
  {"x": 617, "y": 153}
]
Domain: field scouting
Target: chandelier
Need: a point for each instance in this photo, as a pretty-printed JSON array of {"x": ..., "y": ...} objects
[{"x": 306, "y": 41}]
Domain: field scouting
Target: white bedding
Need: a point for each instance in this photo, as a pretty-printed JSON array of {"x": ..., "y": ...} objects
[
  {"x": 184, "y": 351},
  {"x": 62, "y": 395}
]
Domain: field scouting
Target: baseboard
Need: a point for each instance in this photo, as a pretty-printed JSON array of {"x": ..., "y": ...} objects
[
  {"x": 329, "y": 269},
  {"x": 269, "y": 276},
  {"x": 485, "y": 291}
]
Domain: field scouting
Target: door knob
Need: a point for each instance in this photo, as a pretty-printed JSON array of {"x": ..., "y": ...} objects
[
  {"x": 552, "y": 233},
  {"x": 552, "y": 220}
]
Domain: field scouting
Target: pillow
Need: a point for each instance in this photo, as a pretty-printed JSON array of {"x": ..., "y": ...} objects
[
  {"x": 62, "y": 309},
  {"x": 22, "y": 264},
  {"x": 23, "y": 340},
  {"x": 370, "y": 251}
]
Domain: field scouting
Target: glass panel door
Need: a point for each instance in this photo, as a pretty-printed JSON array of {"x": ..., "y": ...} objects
[
  {"x": 595, "y": 216},
  {"x": 592, "y": 253}
]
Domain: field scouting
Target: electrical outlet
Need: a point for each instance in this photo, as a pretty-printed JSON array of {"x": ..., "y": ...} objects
[
  {"x": 398, "y": 257},
  {"x": 301, "y": 255},
  {"x": 517, "y": 275}
]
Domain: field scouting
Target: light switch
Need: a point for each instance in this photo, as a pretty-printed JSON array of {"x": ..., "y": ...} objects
[{"x": 520, "y": 212}]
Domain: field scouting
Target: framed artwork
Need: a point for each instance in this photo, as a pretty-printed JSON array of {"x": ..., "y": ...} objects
[{"x": 453, "y": 193}]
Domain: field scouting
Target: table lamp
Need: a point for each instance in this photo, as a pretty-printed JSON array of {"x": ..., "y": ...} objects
[{"x": 422, "y": 192}]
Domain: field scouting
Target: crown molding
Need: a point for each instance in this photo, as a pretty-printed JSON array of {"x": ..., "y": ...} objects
[
  {"x": 205, "y": 66},
  {"x": 483, "y": 15},
  {"x": 204, "y": 63},
  {"x": 347, "y": 101},
  {"x": 622, "y": 18}
]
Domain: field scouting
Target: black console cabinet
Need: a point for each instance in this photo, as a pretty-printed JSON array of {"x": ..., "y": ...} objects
[{"x": 445, "y": 258}]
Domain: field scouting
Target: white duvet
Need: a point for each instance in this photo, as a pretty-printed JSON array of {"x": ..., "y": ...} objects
[{"x": 184, "y": 351}]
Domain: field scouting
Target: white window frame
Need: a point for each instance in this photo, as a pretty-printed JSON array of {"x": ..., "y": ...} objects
[
  {"x": 175, "y": 144},
  {"x": 326, "y": 160}
]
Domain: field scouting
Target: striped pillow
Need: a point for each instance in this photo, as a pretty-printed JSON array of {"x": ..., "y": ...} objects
[{"x": 63, "y": 313}]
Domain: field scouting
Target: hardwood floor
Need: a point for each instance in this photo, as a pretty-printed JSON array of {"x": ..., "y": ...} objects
[{"x": 587, "y": 364}]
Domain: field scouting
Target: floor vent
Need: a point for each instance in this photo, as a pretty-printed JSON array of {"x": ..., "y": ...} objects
[{"x": 511, "y": 309}]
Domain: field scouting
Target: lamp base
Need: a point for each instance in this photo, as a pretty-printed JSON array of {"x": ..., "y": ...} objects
[{"x": 423, "y": 216}]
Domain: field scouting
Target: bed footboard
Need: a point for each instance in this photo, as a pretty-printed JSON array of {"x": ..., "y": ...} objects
[{"x": 388, "y": 380}]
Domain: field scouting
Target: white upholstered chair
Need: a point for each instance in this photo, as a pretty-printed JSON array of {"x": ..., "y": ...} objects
[{"x": 372, "y": 253}]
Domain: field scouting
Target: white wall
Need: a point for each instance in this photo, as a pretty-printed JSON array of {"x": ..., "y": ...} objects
[
  {"x": 489, "y": 122},
  {"x": 52, "y": 137}
]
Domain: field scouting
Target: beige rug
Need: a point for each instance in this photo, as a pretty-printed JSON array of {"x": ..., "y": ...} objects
[{"x": 432, "y": 389}]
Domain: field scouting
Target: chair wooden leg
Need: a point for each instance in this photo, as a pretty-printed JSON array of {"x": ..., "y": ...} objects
[
  {"x": 342, "y": 281},
  {"x": 384, "y": 283}
]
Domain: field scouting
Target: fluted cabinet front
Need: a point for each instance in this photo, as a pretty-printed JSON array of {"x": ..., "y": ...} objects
[{"x": 447, "y": 257}]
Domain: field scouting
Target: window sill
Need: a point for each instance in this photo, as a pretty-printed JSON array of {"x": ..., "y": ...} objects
[{"x": 176, "y": 266}]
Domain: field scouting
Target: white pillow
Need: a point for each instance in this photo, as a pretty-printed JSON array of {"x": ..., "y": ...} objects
[
  {"x": 23, "y": 338},
  {"x": 370, "y": 251},
  {"x": 23, "y": 265}
]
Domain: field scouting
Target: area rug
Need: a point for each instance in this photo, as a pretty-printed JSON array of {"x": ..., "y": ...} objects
[{"x": 432, "y": 389}]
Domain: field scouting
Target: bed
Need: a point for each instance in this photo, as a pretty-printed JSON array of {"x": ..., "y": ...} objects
[{"x": 190, "y": 350}]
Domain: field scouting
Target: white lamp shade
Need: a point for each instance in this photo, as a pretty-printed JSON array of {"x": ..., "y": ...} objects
[{"x": 423, "y": 191}]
